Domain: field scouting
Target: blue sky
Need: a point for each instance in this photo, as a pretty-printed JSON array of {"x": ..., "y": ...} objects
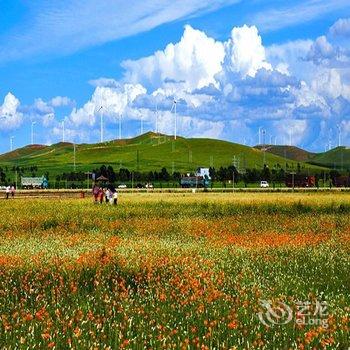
[{"x": 234, "y": 67}]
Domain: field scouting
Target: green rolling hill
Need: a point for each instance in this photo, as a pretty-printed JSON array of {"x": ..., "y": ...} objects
[
  {"x": 289, "y": 152},
  {"x": 336, "y": 158},
  {"x": 144, "y": 153}
]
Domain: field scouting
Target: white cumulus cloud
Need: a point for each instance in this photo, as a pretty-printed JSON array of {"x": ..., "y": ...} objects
[
  {"x": 246, "y": 54},
  {"x": 113, "y": 101},
  {"x": 61, "y": 101},
  {"x": 340, "y": 28},
  {"x": 11, "y": 117},
  {"x": 193, "y": 63}
]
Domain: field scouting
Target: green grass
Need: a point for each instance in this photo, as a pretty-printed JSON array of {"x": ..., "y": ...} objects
[{"x": 144, "y": 153}]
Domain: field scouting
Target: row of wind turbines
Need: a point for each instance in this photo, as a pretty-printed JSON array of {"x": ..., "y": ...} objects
[
  {"x": 261, "y": 132},
  {"x": 100, "y": 111},
  {"x": 273, "y": 139}
]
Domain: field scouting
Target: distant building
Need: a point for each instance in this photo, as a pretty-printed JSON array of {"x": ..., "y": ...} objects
[
  {"x": 204, "y": 172},
  {"x": 34, "y": 182}
]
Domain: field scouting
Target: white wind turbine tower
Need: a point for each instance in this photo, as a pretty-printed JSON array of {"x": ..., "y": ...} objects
[
  {"x": 101, "y": 120},
  {"x": 32, "y": 133},
  {"x": 157, "y": 131},
  {"x": 11, "y": 143},
  {"x": 259, "y": 135},
  {"x": 141, "y": 126},
  {"x": 173, "y": 108},
  {"x": 339, "y": 135},
  {"x": 263, "y": 136},
  {"x": 120, "y": 126},
  {"x": 63, "y": 131}
]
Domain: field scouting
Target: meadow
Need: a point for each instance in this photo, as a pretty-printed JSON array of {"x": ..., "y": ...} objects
[
  {"x": 176, "y": 271},
  {"x": 152, "y": 152}
]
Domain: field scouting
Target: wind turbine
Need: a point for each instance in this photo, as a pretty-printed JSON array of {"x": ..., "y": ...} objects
[
  {"x": 141, "y": 121},
  {"x": 120, "y": 126},
  {"x": 260, "y": 129},
  {"x": 173, "y": 108},
  {"x": 32, "y": 133},
  {"x": 157, "y": 131},
  {"x": 11, "y": 143},
  {"x": 291, "y": 136},
  {"x": 101, "y": 120},
  {"x": 263, "y": 136},
  {"x": 339, "y": 135},
  {"x": 63, "y": 131}
]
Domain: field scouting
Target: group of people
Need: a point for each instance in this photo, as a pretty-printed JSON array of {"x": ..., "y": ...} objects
[
  {"x": 108, "y": 194},
  {"x": 10, "y": 191}
]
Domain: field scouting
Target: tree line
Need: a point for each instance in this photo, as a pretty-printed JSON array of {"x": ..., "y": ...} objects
[{"x": 222, "y": 174}]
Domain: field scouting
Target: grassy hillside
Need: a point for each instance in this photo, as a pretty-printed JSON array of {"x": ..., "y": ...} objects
[
  {"x": 337, "y": 158},
  {"x": 289, "y": 152},
  {"x": 144, "y": 153}
]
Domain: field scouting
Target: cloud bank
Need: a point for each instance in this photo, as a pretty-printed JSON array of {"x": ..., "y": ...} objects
[{"x": 298, "y": 91}]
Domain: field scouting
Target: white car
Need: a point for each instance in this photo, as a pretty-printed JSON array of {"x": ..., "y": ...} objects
[
  {"x": 122, "y": 186},
  {"x": 149, "y": 186},
  {"x": 264, "y": 184}
]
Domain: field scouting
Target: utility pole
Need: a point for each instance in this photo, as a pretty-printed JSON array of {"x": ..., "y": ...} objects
[
  {"x": 74, "y": 153},
  {"x": 233, "y": 173},
  {"x": 175, "y": 120},
  {"x": 88, "y": 179},
  {"x": 141, "y": 119},
  {"x": 285, "y": 160},
  {"x": 233, "y": 180}
]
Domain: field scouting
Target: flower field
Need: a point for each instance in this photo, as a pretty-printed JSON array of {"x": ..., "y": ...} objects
[{"x": 176, "y": 271}]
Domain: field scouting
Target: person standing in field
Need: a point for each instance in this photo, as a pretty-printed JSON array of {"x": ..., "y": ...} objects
[
  {"x": 115, "y": 198},
  {"x": 107, "y": 194},
  {"x": 95, "y": 192},
  {"x": 100, "y": 195},
  {"x": 8, "y": 190},
  {"x": 13, "y": 191}
]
